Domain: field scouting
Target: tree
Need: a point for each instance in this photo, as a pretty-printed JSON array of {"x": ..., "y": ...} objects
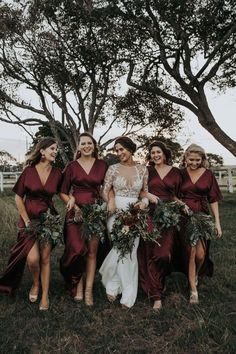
[
  {"x": 178, "y": 48},
  {"x": 215, "y": 160},
  {"x": 64, "y": 56},
  {"x": 57, "y": 54},
  {"x": 7, "y": 161}
]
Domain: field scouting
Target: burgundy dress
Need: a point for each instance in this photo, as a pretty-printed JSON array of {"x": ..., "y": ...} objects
[
  {"x": 197, "y": 196},
  {"x": 155, "y": 261},
  {"x": 38, "y": 198},
  {"x": 86, "y": 189}
]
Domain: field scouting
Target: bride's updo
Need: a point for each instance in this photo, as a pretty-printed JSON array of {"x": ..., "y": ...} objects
[{"x": 127, "y": 143}]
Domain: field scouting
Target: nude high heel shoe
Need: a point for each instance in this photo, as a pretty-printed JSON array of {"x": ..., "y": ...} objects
[{"x": 88, "y": 296}]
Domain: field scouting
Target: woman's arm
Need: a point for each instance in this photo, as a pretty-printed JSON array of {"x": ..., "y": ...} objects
[
  {"x": 21, "y": 209},
  {"x": 215, "y": 211},
  {"x": 69, "y": 200},
  {"x": 108, "y": 191}
]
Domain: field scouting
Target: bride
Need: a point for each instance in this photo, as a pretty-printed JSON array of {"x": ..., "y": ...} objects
[{"x": 128, "y": 179}]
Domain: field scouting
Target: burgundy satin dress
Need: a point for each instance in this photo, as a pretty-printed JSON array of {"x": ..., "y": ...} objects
[
  {"x": 155, "y": 261},
  {"x": 86, "y": 189},
  {"x": 197, "y": 196},
  {"x": 38, "y": 198}
]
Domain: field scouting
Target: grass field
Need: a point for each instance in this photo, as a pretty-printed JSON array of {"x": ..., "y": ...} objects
[{"x": 106, "y": 328}]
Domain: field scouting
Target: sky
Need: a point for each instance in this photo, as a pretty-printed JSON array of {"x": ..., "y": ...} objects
[{"x": 15, "y": 140}]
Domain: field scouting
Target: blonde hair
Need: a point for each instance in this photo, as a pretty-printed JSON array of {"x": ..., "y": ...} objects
[{"x": 194, "y": 148}]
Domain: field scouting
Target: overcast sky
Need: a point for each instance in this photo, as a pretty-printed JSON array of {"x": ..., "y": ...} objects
[{"x": 14, "y": 139}]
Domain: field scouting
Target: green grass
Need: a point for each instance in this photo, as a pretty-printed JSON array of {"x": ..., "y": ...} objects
[{"x": 73, "y": 328}]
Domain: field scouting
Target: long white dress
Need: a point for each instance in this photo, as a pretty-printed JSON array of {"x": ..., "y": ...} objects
[{"x": 121, "y": 276}]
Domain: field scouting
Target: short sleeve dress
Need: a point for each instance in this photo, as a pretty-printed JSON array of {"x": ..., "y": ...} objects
[
  {"x": 86, "y": 188},
  {"x": 37, "y": 200},
  {"x": 197, "y": 196},
  {"x": 154, "y": 260}
]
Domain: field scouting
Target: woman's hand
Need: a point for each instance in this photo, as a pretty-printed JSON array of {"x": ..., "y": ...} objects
[
  {"x": 27, "y": 223},
  {"x": 71, "y": 203},
  {"x": 153, "y": 198},
  {"x": 140, "y": 205},
  {"x": 218, "y": 229},
  {"x": 78, "y": 214},
  {"x": 186, "y": 209},
  {"x": 111, "y": 206}
]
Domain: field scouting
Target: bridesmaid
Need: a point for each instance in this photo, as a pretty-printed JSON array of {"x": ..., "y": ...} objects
[
  {"x": 127, "y": 179},
  {"x": 34, "y": 190},
  {"x": 154, "y": 261},
  {"x": 83, "y": 178},
  {"x": 198, "y": 189}
]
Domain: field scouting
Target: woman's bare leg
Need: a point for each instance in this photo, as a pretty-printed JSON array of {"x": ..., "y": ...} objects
[
  {"x": 33, "y": 261},
  {"x": 91, "y": 269},
  {"x": 45, "y": 263}
]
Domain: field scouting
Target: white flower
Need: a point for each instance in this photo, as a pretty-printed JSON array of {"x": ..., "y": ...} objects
[{"x": 125, "y": 229}]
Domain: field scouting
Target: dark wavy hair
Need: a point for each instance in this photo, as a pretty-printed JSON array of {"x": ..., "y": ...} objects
[
  {"x": 35, "y": 155},
  {"x": 127, "y": 143},
  {"x": 95, "y": 152},
  {"x": 163, "y": 147}
]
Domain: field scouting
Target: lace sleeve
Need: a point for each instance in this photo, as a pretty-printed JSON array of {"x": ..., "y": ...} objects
[
  {"x": 108, "y": 182},
  {"x": 145, "y": 180},
  {"x": 145, "y": 185}
]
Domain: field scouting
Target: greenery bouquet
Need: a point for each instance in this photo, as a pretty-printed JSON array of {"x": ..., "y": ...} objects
[{"x": 128, "y": 225}]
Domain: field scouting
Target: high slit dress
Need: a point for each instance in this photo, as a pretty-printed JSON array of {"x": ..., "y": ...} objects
[
  {"x": 155, "y": 262},
  {"x": 198, "y": 196},
  {"x": 86, "y": 188},
  {"x": 37, "y": 200}
]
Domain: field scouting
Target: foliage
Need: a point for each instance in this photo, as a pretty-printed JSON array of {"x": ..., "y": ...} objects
[
  {"x": 168, "y": 214},
  {"x": 199, "y": 226},
  {"x": 214, "y": 160},
  {"x": 70, "y": 64},
  {"x": 129, "y": 225},
  {"x": 94, "y": 218},
  {"x": 48, "y": 228},
  {"x": 177, "y": 48},
  {"x": 7, "y": 161}
]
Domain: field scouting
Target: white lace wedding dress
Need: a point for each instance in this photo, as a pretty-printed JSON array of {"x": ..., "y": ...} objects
[{"x": 121, "y": 276}]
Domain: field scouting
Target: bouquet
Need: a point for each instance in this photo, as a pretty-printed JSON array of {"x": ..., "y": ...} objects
[
  {"x": 128, "y": 225},
  {"x": 48, "y": 228},
  {"x": 168, "y": 214},
  {"x": 199, "y": 226},
  {"x": 93, "y": 220}
]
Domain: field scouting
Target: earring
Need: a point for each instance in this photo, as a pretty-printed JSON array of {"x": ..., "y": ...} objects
[{"x": 42, "y": 157}]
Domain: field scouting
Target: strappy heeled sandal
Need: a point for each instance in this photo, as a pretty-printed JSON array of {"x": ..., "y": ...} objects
[
  {"x": 111, "y": 298},
  {"x": 88, "y": 297},
  {"x": 193, "y": 299},
  {"x": 43, "y": 308},
  {"x": 157, "y": 306},
  {"x": 33, "y": 297}
]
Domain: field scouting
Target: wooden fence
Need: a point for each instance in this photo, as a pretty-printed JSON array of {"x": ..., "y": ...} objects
[
  {"x": 226, "y": 177},
  {"x": 8, "y": 179}
]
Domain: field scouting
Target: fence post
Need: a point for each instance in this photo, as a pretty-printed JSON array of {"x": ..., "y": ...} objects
[
  {"x": 1, "y": 181},
  {"x": 230, "y": 181}
]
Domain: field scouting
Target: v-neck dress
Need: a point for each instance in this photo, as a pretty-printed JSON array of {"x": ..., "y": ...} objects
[
  {"x": 85, "y": 187},
  {"x": 198, "y": 196},
  {"x": 155, "y": 260},
  {"x": 37, "y": 199}
]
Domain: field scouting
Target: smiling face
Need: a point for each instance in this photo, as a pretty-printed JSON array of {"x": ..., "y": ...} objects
[
  {"x": 86, "y": 146},
  {"x": 49, "y": 153},
  {"x": 193, "y": 160},
  {"x": 123, "y": 154},
  {"x": 157, "y": 155}
]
